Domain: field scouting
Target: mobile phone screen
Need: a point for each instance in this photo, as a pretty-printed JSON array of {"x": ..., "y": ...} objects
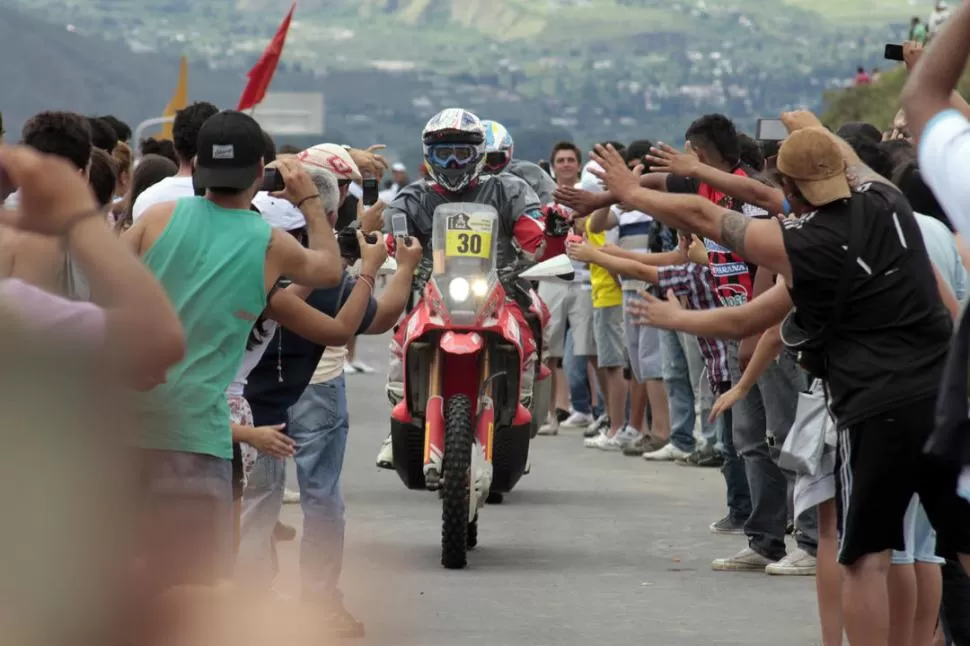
[
  {"x": 272, "y": 181},
  {"x": 399, "y": 225},
  {"x": 370, "y": 192},
  {"x": 771, "y": 130}
]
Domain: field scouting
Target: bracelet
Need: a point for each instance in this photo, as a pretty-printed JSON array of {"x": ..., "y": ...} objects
[
  {"x": 299, "y": 204},
  {"x": 77, "y": 218},
  {"x": 368, "y": 280}
]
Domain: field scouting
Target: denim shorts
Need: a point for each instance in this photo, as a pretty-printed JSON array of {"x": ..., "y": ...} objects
[{"x": 920, "y": 538}]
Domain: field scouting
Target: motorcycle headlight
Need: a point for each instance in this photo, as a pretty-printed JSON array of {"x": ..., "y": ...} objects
[
  {"x": 479, "y": 287},
  {"x": 459, "y": 289}
]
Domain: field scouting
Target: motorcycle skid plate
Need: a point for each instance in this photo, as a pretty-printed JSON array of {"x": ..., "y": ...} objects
[
  {"x": 408, "y": 446},
  {"x": 510, "y": 453}
]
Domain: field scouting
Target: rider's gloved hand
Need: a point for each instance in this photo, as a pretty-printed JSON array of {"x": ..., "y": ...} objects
[
  {"x": 558, "y": 220},
  {"x": 373, "y": 253}
]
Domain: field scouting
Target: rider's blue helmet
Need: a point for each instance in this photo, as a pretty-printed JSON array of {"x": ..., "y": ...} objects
[
  {"x": 498, "y": 147},
  {"x": 454, "y": 148}
]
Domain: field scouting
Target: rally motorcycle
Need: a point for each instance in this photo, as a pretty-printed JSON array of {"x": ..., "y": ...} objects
[{"x": 461, "y": 429}]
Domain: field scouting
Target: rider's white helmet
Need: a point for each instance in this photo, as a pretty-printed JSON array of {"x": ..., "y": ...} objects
[
  {"x": 454, "y": 148},
  {"x": 498, "y": 147}
]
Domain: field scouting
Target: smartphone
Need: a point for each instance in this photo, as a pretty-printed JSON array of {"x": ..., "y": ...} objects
[
  {"x": 371, "y": 191},
  {"x": 399, "y": 225},
  {"x": 272, "y": 181},
  {"x": 893, "y": 52},
  {"x": 771, "y": 130}
]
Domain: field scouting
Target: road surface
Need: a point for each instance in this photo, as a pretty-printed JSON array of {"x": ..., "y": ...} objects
[{"x": 592, "y": 548}]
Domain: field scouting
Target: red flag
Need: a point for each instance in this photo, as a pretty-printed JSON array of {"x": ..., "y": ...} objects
[{"x": 262, "y": 73}]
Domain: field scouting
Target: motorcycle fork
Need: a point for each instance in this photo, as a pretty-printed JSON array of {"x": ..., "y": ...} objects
[
  {"x": 485, "y": 419},
  {"x": 434, "y": 418}
]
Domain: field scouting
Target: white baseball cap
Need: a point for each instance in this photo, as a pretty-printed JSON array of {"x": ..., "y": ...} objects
[
  {"x": 333, "y": 158},
  {"x": 398, "y": 167}
]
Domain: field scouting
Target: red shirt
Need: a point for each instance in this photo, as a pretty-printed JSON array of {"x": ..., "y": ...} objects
[
  {"x": 862, "y": 79},
  {"x": 733, "y": 278}
]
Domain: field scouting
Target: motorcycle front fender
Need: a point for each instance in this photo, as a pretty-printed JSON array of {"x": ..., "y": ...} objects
[{"x": 462, "y": 342}]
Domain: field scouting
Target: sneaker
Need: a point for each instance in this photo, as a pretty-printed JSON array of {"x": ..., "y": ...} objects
[
  {"x": 284, "y": 533},
  {"x": 340, "y": 623},
  {"x": 637, "y": 448},
  {"x": 385, "y": 457},
  {"x": 291, "y": 497},
  {"x": 628, "y": 436},
  {"x": 668, "y": 453},
  {"x": 728, "y": 526},
  {"x": 702, "y": 458},
  {"x": 362, "y": 367},
  {"x": 796, "y": 563},
  {"x": 600, "y": 425},
  {"x": 551, "y": 427},
  {"x": 598, "y": 442},
  {"x": 562, "y": 415},
  {"x": 747, "y": 560},
  {"x": 349, "y": 368},
  {"x": 577, "y": 420}
]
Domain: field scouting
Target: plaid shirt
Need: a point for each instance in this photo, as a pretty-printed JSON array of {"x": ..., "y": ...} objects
[{"x": 696, "y": 283}]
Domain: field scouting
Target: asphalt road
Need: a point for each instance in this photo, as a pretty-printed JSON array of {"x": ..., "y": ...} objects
[{"x": 591, "y": 548}]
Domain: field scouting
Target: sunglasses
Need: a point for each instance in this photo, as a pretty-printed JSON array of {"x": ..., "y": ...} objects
[{"x": 447, "y": 154}]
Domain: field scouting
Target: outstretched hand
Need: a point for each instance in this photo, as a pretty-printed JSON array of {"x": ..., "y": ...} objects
[
  {"x": 664, "y": 158},
  {"x": 656, "y": 312},
  {"x": 619, "y": 179}
]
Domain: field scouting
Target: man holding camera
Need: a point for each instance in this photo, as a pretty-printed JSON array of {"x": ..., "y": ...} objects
[{"x": 296, "y": 383}]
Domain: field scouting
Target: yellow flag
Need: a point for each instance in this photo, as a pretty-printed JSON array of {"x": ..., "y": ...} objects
[{"x": 179, "y": 99}]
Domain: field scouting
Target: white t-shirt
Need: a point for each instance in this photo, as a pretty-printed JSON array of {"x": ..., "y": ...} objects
[
  {"x": 169, "y": 189},
  {"x": 944, "y": 163},
  {"x": 331, "y": 364},
  {"x": 250, "y": 359}
]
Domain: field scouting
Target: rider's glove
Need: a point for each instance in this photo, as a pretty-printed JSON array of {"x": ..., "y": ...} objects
[{"x": 558, "y": 221}]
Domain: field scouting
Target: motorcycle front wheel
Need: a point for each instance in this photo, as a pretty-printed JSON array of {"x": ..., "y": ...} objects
[{"x": 456, "y": 476}]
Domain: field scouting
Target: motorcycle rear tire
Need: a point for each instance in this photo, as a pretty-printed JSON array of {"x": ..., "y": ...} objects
[{"x": 456, "y": 472}]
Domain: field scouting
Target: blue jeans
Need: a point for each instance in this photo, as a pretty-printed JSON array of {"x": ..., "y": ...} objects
[
  {"x": 735, "y": 478},
  {"x": 262, "y": 501},
  {"x": 680, "y": 391},
  {"x": 576, "y": 377},
  {"x": 319, "y": 423},
  {"x": 769, "y": 409}
]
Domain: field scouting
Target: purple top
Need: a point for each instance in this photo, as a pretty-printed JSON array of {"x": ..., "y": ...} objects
[{"x": 62, "y": 318}]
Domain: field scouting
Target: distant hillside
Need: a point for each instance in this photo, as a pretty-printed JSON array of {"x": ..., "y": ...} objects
[{"x": 876, "y": 103}]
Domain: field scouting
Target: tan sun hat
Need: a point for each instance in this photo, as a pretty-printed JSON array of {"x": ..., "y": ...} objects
[{"x": 812, "y": 159}]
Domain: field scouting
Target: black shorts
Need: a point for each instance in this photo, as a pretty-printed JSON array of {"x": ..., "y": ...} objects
[{"x": 879, "y": 465}]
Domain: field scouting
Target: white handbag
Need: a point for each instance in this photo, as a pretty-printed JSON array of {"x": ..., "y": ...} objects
[{"x": 812, "y": 429}]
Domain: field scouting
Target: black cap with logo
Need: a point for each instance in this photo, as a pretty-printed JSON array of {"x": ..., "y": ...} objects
[{"x": 230, "y": 152}]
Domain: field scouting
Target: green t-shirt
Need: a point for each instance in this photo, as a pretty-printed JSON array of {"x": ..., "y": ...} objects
[
  {"x": 919, "y": 34},
  {"x": 211, "y": 262}
]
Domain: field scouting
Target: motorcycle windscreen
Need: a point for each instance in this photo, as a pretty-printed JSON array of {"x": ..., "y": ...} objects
[{"x": 464, "y": 240}]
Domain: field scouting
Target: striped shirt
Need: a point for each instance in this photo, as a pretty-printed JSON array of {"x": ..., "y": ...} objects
[
  {"x": 696, "y": 284},
  {"x": 634, "y": 235}
]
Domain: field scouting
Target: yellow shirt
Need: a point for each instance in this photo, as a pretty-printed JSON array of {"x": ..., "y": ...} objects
[{"x": 606, "y": 291}]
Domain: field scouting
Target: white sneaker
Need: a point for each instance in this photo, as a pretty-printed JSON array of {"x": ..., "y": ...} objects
[
  {"x": 628, "y": 436},
  {"x": 797, "y": 563},
  {"x": 578, "y": 420},
  {"x": 551, "y": 427},
  {"x": 362, "y": 367},
  {"x": 598, "y": 442},
  {"x": 385, "y": 457},
  {"x": 291, "y": 497},
  {"x": 668, "y": 453},
  {"x": 349, "y": 368}
]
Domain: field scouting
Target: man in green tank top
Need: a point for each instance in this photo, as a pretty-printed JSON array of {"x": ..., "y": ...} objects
[{"x": 217, "y": 260}]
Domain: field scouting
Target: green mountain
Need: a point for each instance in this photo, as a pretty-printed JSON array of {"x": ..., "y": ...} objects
[{"x": 588, "y": 69}]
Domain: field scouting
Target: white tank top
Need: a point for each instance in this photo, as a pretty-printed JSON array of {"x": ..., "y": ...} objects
[{"x": 250, "y": 359}]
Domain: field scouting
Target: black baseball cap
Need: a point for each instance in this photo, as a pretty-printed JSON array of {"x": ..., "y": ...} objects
[{"x": 230, "y": 151}]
